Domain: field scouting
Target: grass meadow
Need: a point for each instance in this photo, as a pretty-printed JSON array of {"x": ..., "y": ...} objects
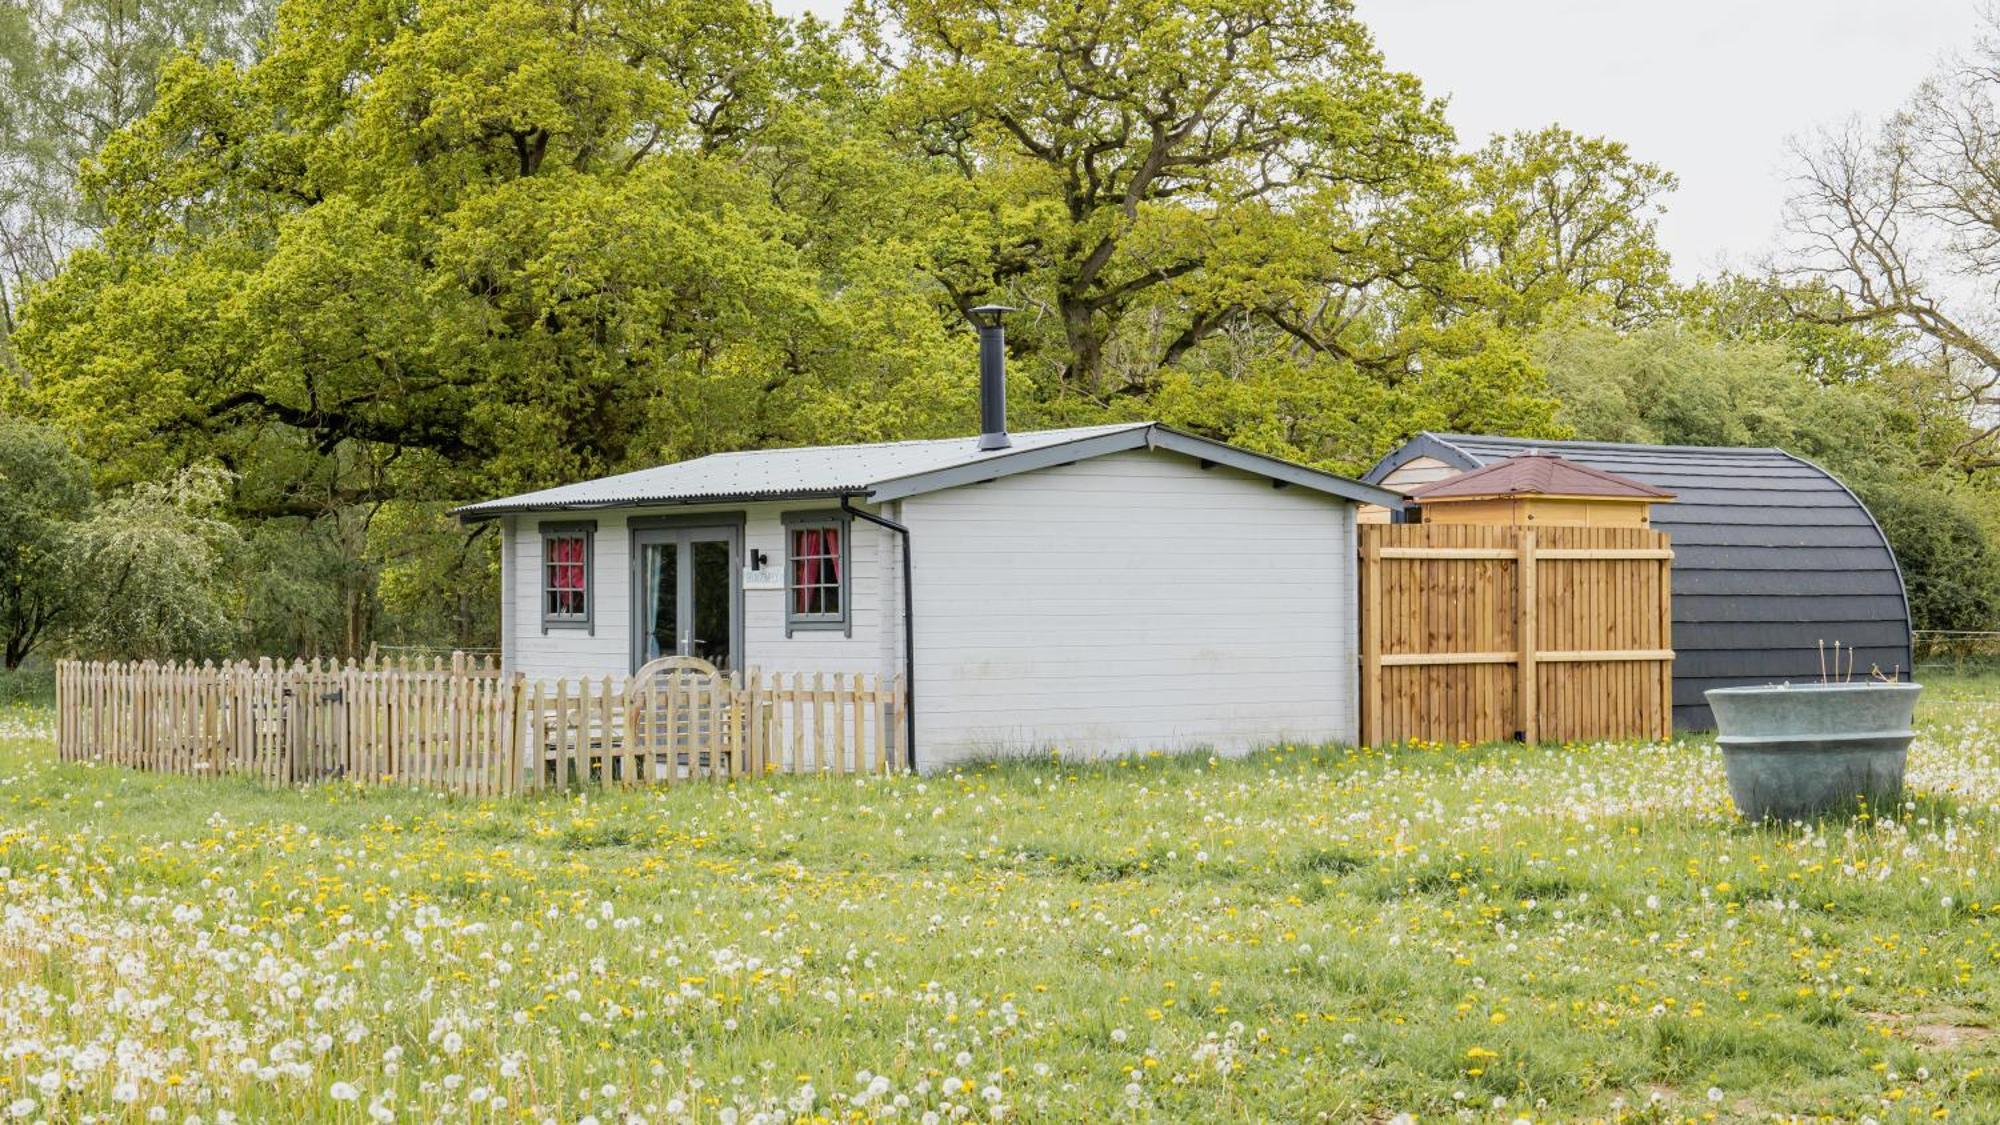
[{"x": 1314, "y": 933}]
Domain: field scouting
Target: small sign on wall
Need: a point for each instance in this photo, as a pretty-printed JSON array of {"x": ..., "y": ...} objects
[{"x": 767, "y": 578}]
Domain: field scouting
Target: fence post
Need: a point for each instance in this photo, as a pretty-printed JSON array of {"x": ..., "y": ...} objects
[
  {"x": 1527, "y": 627},
  {"x": 533, "y": 753},
  {"x": 512, "y": 743},
  {"x": 753, "y": 701},
  {"x": 294, "y": 711},
  {"x": 62, "y": 710},
  {"x": 1666, "y": 645}
]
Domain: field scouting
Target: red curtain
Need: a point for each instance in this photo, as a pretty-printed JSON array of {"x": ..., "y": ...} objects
[
  {"x": 569, "y": 563},
  {"x": 566, "y": 573},
  {"x": 805, "y": 568}
]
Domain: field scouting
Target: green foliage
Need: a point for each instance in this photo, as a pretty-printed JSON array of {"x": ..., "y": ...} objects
[
  {"x": 409, "y": 256},
  {"x": 1678, "y": 384},
  {"x": 497, "y": 244},
  {"x": 44, "y": 495},
  {"x": 1951, "y": 569},
  {"x": 1143, "y": 172},
  {"x": 1559, "y": 217},
  {"x": 153, "y": 564},
  {"x": 1884, "y": 432},
  {"x": 305, "y": 587},
  {"x": 1808, "y": 320},
  {"x": 142, "y": 574},
  {"x": 416, "y": 256},
  {"x": 439, "y": 581},
  {"x": 399, "y": 257},
  {"x": 73, "y": 72}
]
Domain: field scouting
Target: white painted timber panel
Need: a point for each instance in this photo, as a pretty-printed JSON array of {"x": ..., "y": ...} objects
[
  {"x": 1128, "y": 603},
  {"x": 1406, "y": 476},
  {"x": 1417, "y": 471},
  {"x": 871, "y": 645}
]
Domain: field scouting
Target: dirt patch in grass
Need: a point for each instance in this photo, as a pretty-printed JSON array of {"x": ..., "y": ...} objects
[
  {"x": 1951, "y": 1036},
  {"x": 1943, "y": 1031}
]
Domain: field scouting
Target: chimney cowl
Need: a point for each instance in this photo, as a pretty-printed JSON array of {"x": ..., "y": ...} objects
[{"x": 992, "y": 376}]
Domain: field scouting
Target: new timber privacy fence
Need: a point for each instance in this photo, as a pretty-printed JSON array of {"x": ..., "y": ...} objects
[
  {"x": 1477, "y": 634},
  {"x": 463, "y": 727}
]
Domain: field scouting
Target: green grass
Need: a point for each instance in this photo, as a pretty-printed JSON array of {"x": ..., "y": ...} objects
[{"x": 1311, "y": 933}]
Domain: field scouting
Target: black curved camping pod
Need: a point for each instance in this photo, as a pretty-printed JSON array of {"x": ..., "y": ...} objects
[{"x": 1772, "y": 556}]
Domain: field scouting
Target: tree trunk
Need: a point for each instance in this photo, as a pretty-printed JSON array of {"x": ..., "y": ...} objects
[{"x": 1086, "y": 346}]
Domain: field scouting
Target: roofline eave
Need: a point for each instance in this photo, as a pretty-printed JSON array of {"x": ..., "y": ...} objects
[
  {"x": 1153, "y": 436},
  {"x": 1006, "y": 463},
  {"x": 493, "y": 509},
  {"x": 1423, "y": 444},
  {"x": 1001, "y": 463}
]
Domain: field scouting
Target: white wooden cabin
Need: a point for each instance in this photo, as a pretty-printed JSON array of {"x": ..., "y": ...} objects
[{"x": 1087, "y": 591}]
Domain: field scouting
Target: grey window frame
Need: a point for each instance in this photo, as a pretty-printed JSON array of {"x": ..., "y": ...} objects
[
  {"x": 551, "y": 529},
  {"x": 842, "y": 623}
]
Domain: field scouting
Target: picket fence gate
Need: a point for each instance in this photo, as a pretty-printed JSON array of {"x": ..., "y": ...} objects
[{"x": 463, "y": 727}]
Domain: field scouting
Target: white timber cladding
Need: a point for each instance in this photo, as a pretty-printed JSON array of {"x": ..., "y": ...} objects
[
  {"x": 872, "y": 644},
  {"x": 1131, "y": 602},
  {"x": 1413, "y": 473},
  {"x": 1418, "y": 471},
  {"x": 510, "y": 612}
]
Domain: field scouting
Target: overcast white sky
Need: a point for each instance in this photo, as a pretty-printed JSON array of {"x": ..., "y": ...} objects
[{"x": 1710, "y": 89}]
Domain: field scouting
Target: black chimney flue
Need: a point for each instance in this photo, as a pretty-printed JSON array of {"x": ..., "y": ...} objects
[{"x": 992, "y": 376}]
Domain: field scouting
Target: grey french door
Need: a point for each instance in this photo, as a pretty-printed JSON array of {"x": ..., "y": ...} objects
[{"x": 685, "y": 596}]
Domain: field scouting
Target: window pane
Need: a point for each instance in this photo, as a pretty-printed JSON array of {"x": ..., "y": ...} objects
[
  {"x": 713, "y": 591},
  {"x": 662, "y": 563},
  {"x": 815, "y": 572},
  {"x": 565, "y": 576},
  {"x": 803, "y": 569}
]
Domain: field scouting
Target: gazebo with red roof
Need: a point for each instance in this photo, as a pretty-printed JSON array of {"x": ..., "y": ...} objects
[{"x": 1537, "y": 488}]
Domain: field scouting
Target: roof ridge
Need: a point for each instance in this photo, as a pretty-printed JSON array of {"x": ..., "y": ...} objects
[
  {"x": 890, "y": 470},
  {"x": 1538, "y": 472},
  {"x": 1453, "y": 440}
]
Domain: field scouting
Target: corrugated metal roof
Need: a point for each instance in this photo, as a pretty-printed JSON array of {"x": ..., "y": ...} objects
[
  {"x": 817, "y": 470},
  {"x": 888, "y": 470},
  {"x": 1538, "y": 473},
  {"x": 1771, "y": 556}
]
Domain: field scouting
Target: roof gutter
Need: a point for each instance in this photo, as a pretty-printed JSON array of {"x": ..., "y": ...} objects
[{"x": 909, "y": 630}]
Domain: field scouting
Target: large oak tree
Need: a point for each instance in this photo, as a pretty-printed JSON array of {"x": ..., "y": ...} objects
[{"x": 1142, "y": 172}]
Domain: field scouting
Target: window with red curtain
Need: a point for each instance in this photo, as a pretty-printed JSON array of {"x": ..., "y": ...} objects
[
  {"x": 565, "y": 577},
  {"x": 816, "y": 565}
]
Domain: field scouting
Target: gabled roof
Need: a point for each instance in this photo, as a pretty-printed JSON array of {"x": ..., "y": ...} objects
[
  {"x": 1537, "y": 473},
  {"x": 891, "y": 470}
]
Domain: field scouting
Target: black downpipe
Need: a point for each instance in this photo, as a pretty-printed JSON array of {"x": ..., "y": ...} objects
[{"x": 909, "y": 632}]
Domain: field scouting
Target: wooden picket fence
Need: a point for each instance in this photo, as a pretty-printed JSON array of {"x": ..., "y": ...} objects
[
  {"x": 462, "y": 727},
  {"x": 682, "y": 724},
  {"x": 1478, "y": 634}
]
